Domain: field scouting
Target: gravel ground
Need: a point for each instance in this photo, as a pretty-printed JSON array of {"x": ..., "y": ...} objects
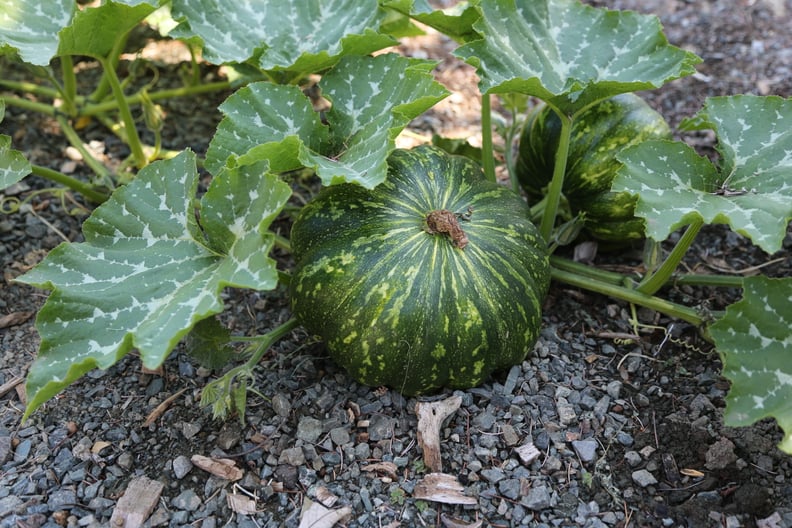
[{"x": 589, "y": 431}]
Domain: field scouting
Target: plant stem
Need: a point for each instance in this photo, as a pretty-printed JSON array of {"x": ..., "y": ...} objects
[
  {"x": 113, "y": 57},
  {"x": 100, "y": 170},
  {"x": 651, "y": 283},
  {"x": 722, "y": 281},
  {"x": 185, "y": 91},
  {"x": 669, "y": 308},
  {"x": 265, "y": 341},
  {"x": 611, "y": 277},
  {"x": 30, "y": 88},
  {"x": 19, "y": 102},
  {"x": 557, "y": 183},
  {"x": 126, "y": 115},
  {"x": 83, "y": 188},
  {"x": 69, "y": 92},
  {"x": 487, "y": 156}
]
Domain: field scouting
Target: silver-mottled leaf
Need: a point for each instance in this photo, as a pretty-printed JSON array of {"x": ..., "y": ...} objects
[
  {"x": 755, "y": 340},
  {"x": 32, "y": 26},
  {"x": 298, "y": 35},
  {"x": 373, "y": 99},
  {"x": 751, "y": 189},
  {"x": 147, "y": 272},
  {"x": 570, "y": 54}
]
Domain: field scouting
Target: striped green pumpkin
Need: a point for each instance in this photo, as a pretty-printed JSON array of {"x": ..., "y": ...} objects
[
  {"x": 400, "y": 303},
  {"x": 598, "y": 135}
]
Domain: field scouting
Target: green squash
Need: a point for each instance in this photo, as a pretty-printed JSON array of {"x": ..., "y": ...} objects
[
  {"x": 435, "y": 278},
  {"x": 598, "y": 135}
]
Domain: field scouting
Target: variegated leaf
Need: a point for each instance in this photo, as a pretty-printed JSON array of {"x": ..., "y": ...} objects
[
  {"x": 148, "y": 272},
  {"x": 298, "y": 35},
  {"x": 373, "y": 99},
  {"x": 751, "y": 190},
  {"x": 754, "y": 339},
  {"x": 13, "y": 165},
  {"x": 31, "y": 27},
  {"x": 570, "y": 54}
]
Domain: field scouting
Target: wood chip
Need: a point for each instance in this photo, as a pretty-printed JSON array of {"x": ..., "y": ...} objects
[
  {"x": 527, "y": 452},
  {"x": 137, "y": 503},
  {"x": 450, "y": 522},
  {"x": 441, "y": 487},
  {"x": 14, "y": 318},
  {"x": 220, "y": 467},
  {"x": 10, "y": 384},
  {"x": 695, "y": 473},
  {"x": 430, "y": 419},
  {"x": 314, "y": 515},
  {"x": 161, "y": 408},
  {"x": 388, "y": 468},
  {"x": 241, "y": 504}
]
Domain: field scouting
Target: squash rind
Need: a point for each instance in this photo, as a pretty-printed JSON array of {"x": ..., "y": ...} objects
[{"x": 398, "y": 306}]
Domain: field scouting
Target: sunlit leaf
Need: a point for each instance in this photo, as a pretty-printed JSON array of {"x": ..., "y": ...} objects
[
  {"x": 754, "y": 339},
  {"x": 147, "y": 272},
  {"x": 373, "y": 99},
  {"x": 95, "y": 30},
  {"x": 455, "y": 22},
  {"x": 32, "y": 27},
  {"x": 570, "y": 54},
  {"x": 750, "y": 190},
  {"x": 299, "y": 35}
]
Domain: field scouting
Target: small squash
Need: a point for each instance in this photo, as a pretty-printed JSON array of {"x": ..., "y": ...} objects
[
  {"x": 434, "y": 278},
  {"x": 598, "y": 135}
]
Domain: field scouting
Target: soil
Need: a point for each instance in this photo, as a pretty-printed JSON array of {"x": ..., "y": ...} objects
[{"x": 665, "y": 396}]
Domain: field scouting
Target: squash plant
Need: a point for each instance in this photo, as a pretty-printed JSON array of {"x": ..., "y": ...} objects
[{"x": 150, "y": 270}]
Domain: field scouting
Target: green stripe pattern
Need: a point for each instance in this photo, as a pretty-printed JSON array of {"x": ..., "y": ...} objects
[
  {"x": 598, "y": 135},
  {"x": 400, "y": 307}
]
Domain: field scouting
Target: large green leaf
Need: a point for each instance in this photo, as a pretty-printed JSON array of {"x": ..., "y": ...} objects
[
  {"x": 300, "y": 35},
  {"x": 147, "y": 271},
  {"x": 13, "y": 165},
  {"x": 373, "y": 99},
  {"x": 31, "y": 27},
  {"x": 95, "y": 30},
  {"x": 751, "y": 190},
  {"x": 569, "y": 54},
  {"x": 455, "y": 22},
  {"x": 754, "y": 339}
]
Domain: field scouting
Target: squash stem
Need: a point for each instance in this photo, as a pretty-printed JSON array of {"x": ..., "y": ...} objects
[
  {"x": 141, "y": 160},
  {"x": 265, "y": 341},
  {"x": 83, "y": 188},
  {"x": 654, "y": 281},
  {"x": 610, "y": 277},
  {"x": 697, "y": 279},
  {"x": 487, "y": 154},
  {"x": 69, "y": 85},
  {"x": 557, "y": 183},
  {"x": 669, "y": 308}
]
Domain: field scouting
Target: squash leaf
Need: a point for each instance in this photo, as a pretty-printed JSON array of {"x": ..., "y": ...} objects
[
  {"x": 94, "y": 30},
  {"x": 754, "y": 341},
  {"x": 32, "y": 27},
  {"x": 751, "y": 190},
  {"x": 13, "y": 165},
  {"x": 455, "y": 22},
  {"x": 298, "y": 35},
  {"x": 373, "y": 99},
  {"x": 569, "y": 54},
  {"x": 148, "y": 271}
]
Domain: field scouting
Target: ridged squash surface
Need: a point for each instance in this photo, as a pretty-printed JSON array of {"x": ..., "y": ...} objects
[
  {"x": 598, "y": 135},
  {"x": 401, "y": 304}
]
